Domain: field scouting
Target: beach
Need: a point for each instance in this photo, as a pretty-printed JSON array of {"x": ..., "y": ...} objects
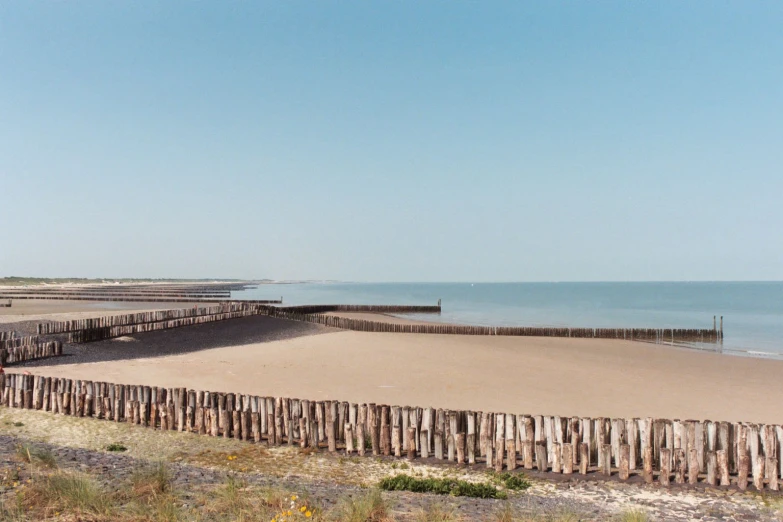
[{"x": 532, "y": 375}]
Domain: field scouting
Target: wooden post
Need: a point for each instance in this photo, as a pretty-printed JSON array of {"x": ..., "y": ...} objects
[
  {"x": 647, "y": 465},
  {"x": 693, "y": 466},
  {"x": 743, "y": 467},
  {"x": 557, "y": 458},
  {"x": 460, "y": 442},
  {"x": 723, "y": 467},
  {"x": 360, "y": 436},
  {"x": 568, "y": 459},
  {"x": 607, "y": 460},
  {"x": 331, "y": 429},
  {"x": 541, "y": 456},
  {"x": 386, "y": 441},
  {"x": 758, "y": 473},
  {"x": 348, "y": 439},
  {"x": 772, "y": 471},
  {"x": 411, "y": 443},
  {"x": 625, "y": 461},
  {"x": 529, "y": 454},
  {"x": 665, "y": 466},
  {"x": 584, "y": 458},
  {"x": 712, "y": 468},
  {"x": 680, "y": 465},
  {"x": 424, "y": 444}
]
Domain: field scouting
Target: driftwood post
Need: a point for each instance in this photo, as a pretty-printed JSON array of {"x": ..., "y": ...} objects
[{"x": 411, "y": 437}]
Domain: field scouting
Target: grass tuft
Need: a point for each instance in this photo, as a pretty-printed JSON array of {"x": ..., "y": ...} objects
[
  {"x": 34, "y": 455},
  {"x": 72, "y": 492},
  {"x": 368, "y": 507},
  {"x": 151, "y": 481},
  {"x": 440, "y": 486},
  {"x": 116, "y": 447},
  {"x": 437, "y": 513},
  {"x": 634, "y": 515}
]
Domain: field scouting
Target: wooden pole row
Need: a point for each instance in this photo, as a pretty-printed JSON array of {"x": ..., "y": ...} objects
[
  {"x": 715, "y": 453},
  {"x": 188, "y": 295},
  {"x": 7, "y": 334},
  {"x": 399, "y": 309},
  {"x": 655, "y": 335},
  {"x": 30, "y": 352},
  {"x": 16, "y": 342},
  {"x": 98, "y": 334},
  {"x": 139, "y": 318},
  {"x": 134, "y": 299}
]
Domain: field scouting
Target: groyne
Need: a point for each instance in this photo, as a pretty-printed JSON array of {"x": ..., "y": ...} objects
[
  {"x": 654, "y": 450},
  {"x": 656, "y": 335}
]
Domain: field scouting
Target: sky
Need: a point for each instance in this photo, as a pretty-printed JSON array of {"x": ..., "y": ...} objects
[{"x": 392, "y": 140}]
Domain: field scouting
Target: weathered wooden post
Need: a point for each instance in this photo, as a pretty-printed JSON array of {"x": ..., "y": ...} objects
[
  {"x": 665, "y": 466},
  {"x": 647, "y": 465},
  {"x": 625, "y": 461},
  {"x": 607, "y": 460},
  {"x": 584, "y": 458}
]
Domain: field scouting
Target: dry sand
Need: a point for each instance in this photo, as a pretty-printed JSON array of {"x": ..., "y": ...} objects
[{"x": 584, "y": 377}]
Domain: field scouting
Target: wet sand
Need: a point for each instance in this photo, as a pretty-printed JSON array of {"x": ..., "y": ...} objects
[{"x": 554, "y": 376}]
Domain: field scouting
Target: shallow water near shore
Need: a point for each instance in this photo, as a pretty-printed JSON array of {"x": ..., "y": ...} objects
[{"x": 753, "y": 311}]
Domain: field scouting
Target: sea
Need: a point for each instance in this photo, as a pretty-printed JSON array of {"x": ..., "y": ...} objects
[{"x": 752, "y": 311}]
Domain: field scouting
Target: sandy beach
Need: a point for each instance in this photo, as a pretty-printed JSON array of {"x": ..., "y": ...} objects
[{"x": 555, "y": 376}]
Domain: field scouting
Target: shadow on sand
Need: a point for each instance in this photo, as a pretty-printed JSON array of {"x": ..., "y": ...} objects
[{"x": 187, "y": 339}]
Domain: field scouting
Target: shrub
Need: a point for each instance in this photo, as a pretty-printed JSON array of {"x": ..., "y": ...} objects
[
  {"x": 440, "y": 486},
  {"x": 116, "y": 447},
  {"x": 513, "y": 481}
]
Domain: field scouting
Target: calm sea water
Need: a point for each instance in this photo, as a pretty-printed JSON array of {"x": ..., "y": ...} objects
[{"x": 753, "y": 312}]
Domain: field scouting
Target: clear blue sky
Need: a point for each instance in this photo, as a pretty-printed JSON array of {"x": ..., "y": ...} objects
[{"x": 392, "y": 141}]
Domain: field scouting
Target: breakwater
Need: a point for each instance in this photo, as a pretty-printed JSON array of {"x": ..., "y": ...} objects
[
  {"x": 663, "y": 450},
  {"x": 28, "y": 352},
  {"x": 656, "y": 335}
]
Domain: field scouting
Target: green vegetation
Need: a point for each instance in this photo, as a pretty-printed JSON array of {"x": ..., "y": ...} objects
[
  {"x": 116, "y": 447},
  {"x": 440, "y": 486},
  {"x": 512, "y": 481}
]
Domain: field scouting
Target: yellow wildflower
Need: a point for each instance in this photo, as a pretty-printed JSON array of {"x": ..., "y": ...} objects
[
  {"x": 308, "y": 514},
  {"x": 288, "y": 513},
  {"x": 303, "y": 509},
  {"x": 293, "y": 497}
]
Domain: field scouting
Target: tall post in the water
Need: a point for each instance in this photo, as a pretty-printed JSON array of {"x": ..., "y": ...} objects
[
  {"x": 715, "y": 324},
  {"x": 721, "y": 329}
]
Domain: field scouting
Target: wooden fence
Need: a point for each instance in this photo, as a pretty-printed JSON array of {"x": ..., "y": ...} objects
[
  {"x": 16, "y": 295},
  {"x": 29, "y": 352},
  {"x": 133, "y": 299},
  {"x": 17, "y": 342},
  {"x": 390, "y": 309},
  {"x": 656, "y": 335},
  {"x": 656, "y": 449},
  {"x": 139, "y": 318}
]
